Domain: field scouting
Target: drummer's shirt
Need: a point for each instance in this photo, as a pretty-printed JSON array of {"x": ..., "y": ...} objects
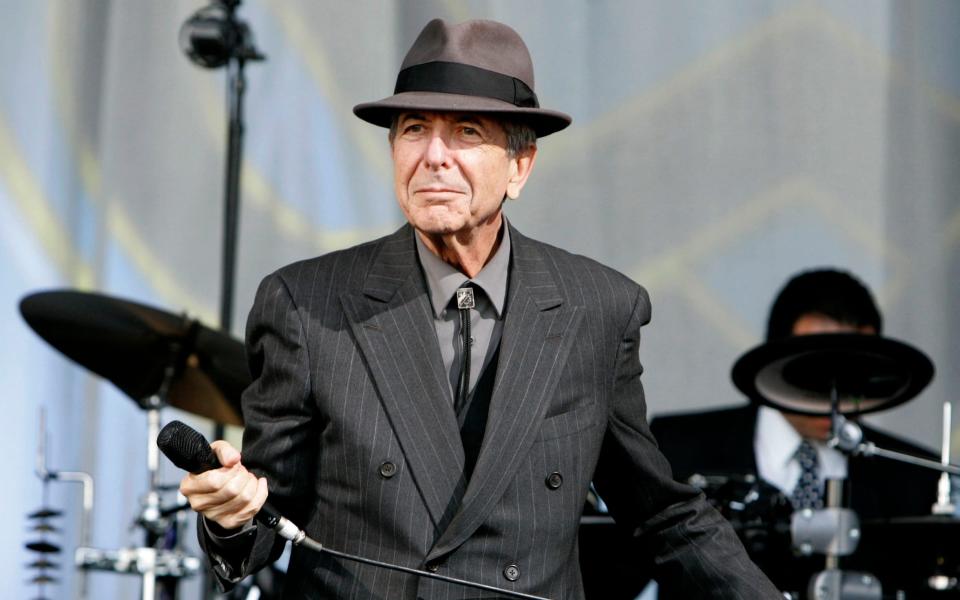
[{"x": 774, "y": 445}]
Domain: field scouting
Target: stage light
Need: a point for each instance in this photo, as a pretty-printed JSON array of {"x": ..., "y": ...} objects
[{"x": 212, "y": 36}]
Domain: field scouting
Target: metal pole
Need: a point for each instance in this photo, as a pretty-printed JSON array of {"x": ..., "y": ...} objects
[
  {"x": 235, "y": 88},
  {"x": 944, "y": 504}
]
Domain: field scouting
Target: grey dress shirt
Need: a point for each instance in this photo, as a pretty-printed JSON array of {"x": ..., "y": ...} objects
[{"x": 486, "y": 319}]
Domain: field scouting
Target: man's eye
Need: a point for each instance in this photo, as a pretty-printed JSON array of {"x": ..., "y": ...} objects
[
  {"x": 471, "y": 131},
  {"x": 415, "y": 128}
]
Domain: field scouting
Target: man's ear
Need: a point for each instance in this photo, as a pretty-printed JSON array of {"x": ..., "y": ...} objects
[{"x": 520, "y": 168}]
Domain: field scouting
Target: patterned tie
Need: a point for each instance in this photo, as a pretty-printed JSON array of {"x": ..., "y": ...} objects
[{"x": 807, "y": 492}]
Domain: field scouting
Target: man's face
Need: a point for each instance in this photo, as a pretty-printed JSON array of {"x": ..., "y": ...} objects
[
  {"x": 809, "y": 324},
  {"x": 451, "y": 171}
]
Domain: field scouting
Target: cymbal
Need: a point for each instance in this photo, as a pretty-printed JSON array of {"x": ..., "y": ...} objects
[
  {"x": 43, "y": 547},
  {"x": 45, "y": 513},
  {"x": 132, "y": 345},
  {"x": 798, "y": 374}
]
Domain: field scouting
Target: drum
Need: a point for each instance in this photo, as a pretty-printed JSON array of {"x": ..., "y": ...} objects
[{"x": 760, "y": 515}]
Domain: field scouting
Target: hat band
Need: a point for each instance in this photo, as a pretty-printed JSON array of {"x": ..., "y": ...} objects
[{"x": 458, "y": 78}]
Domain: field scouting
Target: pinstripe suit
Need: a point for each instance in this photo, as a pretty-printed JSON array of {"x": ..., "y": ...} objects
[{"x": 350, "y": 418}]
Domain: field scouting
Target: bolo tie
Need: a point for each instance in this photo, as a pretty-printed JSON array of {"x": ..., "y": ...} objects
[{"x": 465, "y": 301}]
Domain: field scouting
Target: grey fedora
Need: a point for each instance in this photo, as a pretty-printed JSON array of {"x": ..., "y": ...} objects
[{"x": 474, "y": 66}]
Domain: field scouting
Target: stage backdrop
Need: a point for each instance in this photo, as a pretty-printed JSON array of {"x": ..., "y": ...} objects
[{"x": 717, "y": 148}]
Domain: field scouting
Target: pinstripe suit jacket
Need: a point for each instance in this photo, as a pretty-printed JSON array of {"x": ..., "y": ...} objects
[{"x": 350, "y": 418}]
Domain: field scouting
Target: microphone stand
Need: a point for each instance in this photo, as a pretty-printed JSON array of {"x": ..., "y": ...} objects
[
  {"x": 236, "y": 86},
  {"x": 214, "y": 37}
]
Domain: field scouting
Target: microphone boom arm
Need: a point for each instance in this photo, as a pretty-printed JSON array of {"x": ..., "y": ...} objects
[{"x": 870, "y": 449}]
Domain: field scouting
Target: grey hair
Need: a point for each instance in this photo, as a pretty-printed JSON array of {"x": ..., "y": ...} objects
[{"x": 520, "y": 134}]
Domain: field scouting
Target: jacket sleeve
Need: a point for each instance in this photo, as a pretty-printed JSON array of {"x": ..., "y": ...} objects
[
  {"x": 696, "y": 553},
  {"x": 278, "y": 441}
]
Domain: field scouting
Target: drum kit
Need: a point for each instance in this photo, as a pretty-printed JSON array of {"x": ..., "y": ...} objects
[
  {"x": 157, "y": 359},
  {"x": 842, "y": 376}
]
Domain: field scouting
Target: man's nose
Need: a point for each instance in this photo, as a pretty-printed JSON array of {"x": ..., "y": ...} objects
[{"x": 437, "y": 153}]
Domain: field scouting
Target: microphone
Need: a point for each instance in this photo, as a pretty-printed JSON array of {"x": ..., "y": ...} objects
[{"x": 189, "y": 450}]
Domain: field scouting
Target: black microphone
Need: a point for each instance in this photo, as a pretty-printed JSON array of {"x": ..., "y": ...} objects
[{"x": 189, "y": 450}]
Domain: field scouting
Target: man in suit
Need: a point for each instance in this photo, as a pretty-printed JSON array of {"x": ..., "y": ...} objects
[
  {"x": 441, "y": 398},
  {"x": 759, "y": 441}
]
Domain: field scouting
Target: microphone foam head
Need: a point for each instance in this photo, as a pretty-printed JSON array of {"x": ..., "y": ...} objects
[{"x": 186, "y": 448}]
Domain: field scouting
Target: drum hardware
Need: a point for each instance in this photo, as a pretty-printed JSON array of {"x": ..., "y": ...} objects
[
  {"x": 157, "y": 359},
  {"x": 43, "y": 547},
  {"x": 944, "y": 504},
  {"x": 43, "y": 515},
  {"x": 834, "y": 584},
  {"x": 758, "y": 512},
  {"x": 840, "y": 375},
  {"x": 138, "y": 561},
  {"x": 942, "y": 583},
  {"x": 832, "y": 531},
  {"x": 158, "y": 566}
]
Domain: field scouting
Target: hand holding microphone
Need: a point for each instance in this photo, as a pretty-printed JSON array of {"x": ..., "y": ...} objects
[
  {"x": 228, "y": 493},
  {"x": 219, "y": 487}
]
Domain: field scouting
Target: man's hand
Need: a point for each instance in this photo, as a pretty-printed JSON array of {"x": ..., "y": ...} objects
[{"x": 229, "y": 496}]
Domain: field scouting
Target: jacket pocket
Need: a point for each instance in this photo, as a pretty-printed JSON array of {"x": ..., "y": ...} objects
[{"x": 569, "y": 422}]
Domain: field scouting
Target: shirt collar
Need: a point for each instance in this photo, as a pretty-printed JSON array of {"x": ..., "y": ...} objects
[
  {"x": 776, "y": 442},
  {"x": 443, "y": 279},
  {"x": 776, "y": 438}
]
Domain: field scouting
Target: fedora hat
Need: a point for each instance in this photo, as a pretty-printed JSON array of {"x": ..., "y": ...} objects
[{"x": 475, "y": 66}]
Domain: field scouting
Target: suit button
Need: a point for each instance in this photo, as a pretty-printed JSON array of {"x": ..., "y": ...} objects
[
  {"x": 433, "y": 566},
  {"x": 511, "y": 572},
  {"x": 388, "y": 470},
  {"x": 554, "y": 480}
]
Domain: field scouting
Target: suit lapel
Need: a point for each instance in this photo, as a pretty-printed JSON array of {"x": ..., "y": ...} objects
[
  {"x": 537, "y": 337},
  {"x": 391, "y": 320}
]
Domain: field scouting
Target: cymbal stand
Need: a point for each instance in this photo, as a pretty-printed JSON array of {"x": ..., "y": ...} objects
[
  {"x": 151, "y": 517},
  {"x": 84, "y": 479},
  {"x": 944, "y": 504},
  {"x": 834, "y": 530},
  {"x": 160, "y": 568},
  {"x": 809, "y": 537}
]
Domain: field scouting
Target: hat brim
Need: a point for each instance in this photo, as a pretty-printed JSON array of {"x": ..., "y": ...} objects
[{"x": 543, "y": 121}]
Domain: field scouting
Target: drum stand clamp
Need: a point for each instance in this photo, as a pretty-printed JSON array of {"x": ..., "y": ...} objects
[
  {"x": 833, "y": 531},
  {"x": 138, "y": 561}
]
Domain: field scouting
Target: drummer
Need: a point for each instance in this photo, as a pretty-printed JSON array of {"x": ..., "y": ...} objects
[{"x": 789, "y": 450}]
